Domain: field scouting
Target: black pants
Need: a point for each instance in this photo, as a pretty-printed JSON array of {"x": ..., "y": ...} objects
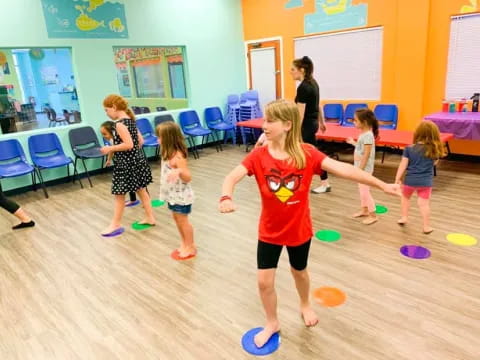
[
  {"x": 7, "y": 204},
  {"x": 268, "y": 255},
  {"x": 308, "y": 136}
]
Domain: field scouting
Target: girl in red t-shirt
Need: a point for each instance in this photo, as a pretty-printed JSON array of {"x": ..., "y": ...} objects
[{"x": 283, "y": 170}]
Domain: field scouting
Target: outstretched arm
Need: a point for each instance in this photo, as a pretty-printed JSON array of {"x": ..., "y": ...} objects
[
  {"x": 350, "y": 172},
  {"x": 232, "y": 179}
]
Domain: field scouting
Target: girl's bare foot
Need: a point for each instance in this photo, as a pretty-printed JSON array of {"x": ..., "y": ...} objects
[
  {"x": 110, "y": 229},
  {"x": 263, "y": 336},
  {"x": 371, "y": 219},
  {"x": 403, "y": 220},
  {"x": 309, "y": 316},
  {"x": 187, "y": 251},
  {"x": 360, "y": 214},
  {"x": 427, "y": 230},
  {"x": 147, "y": 221}
]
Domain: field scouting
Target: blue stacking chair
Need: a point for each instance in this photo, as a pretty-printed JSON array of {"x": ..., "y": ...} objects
[
  {"x": 149, "y": 138},
  {"x": 163, "y": 118},
  {"x": 13, "y": 163},
  {"x": 333, "y": 112},
  {"x": 350, "y": 112},
  {"x": 388, "y": 115},
  {"x": 161, "y": 108},
  {"x": 215, "y": 122},
  {"x": 47, "y": 153},
  {"x": 85, "y": 145},
  {"x": 190, "y": 124}
]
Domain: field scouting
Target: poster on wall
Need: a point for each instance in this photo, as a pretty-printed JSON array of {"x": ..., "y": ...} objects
[
  {"x": 331, "y": 15},
  {"x": 85, "y": 19}
]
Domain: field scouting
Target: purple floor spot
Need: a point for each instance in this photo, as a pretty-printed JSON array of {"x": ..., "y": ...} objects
[{"x": 415, "y": 252}]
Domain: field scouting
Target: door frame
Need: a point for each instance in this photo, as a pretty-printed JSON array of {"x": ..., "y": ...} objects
[{"x": 247, "y": 63}]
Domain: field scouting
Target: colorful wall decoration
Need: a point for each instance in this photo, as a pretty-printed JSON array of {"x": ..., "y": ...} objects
[
  {"x": 472, "y": 7},
  {"x": 85, "y": 18},
  {"x": 293, "y": 4},
  {"x": 331, "y": 15}
]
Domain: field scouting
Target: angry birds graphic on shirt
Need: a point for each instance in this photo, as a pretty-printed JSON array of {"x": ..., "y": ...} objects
[{"x": 283, "y": 187}]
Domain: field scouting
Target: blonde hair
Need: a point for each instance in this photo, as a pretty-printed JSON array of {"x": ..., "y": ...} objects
[
  {"x": 428, "y": 134},
  {"x": 120, "y": 103},
  {"x": 287, "y": 111},
  {"x": 171, "y": 140}
]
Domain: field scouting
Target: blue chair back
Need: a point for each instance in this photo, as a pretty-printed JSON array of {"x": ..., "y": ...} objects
[
  {"x": 144, "y": 126},
  {"x": 252, "y": 95},
  {"x": 83, "y": 136},
  {"x": 161, "y": 108},
  {"x": 388, "y": 115},
  {"x": 163, "y": 118},
  {"x": 213, "y": 116},
  {"x": 350, "y": 112},
  {"x": 333, "y": 112},
  {"x": 44, "y": 143},
  {"x": 233, "y": 100},
  {"x": 189, "y": 119},
  {"x": 145, "y": 109},
  {"x": 11, "y": 149}
]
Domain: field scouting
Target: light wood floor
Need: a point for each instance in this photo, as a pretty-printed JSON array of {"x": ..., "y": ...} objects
[{"x": 67, "y": 293}]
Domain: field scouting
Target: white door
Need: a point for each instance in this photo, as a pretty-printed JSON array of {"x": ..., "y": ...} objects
[{"x": 264, "y": 74}]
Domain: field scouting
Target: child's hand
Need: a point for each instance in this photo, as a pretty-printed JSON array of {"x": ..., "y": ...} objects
[
  {"x": 392, "y": 189},
  {"x": 398, "y": 181},
  {"x": 108, "y": 163},
  {"x": 226, "y": 206},
  {"x": 350, "y": 141},
  {"x": 105, "y": 150},
  {"x": 173, "y": 176}
]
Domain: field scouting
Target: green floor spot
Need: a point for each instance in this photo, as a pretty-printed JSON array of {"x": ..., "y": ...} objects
[
  {"x": 328, "y": 235},
  {"x": 380, "y": 209},
  {"x": 137, "y": 226},
  {"x": 157, "y": 203}
]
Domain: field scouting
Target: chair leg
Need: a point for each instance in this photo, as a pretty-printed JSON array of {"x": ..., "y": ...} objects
[
  {"x": 75, "y": 173},
  {"x": 220, "y": 141},
  {"x": 88, "y": 174},
  {"x": 42, "y": 183},
  {"x": 34, "y": 183},
  {"x": 383, "y": 155},
  {"x": 189, "y": 140},
  {"x": 215, "y": 141},
  {"x": 434, "y": 170}
]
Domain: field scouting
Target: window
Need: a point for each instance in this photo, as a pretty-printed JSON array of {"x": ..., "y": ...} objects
[
  {"x": 152, "y": 76},
  {"x": 463, "y": 72},
  {"x": 148, "y": 78}
]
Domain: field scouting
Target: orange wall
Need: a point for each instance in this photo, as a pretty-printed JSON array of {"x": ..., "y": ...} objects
[{"x": 415, "y": 48}]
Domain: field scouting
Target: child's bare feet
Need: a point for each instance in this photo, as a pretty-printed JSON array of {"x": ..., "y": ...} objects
[
  {"x": 187, "y": 251},
  {"x": 371, "y": 219},
  {"x": 147, "y": 221},
  {"x": 263, "y": 336},
  {"x": 111, "y": 228},
  {"x": 402, "y": 221},
  {"x": 427, "y": 230},
  {"x": 309, "y": 316},
  {"x": 360, "y": 214}
]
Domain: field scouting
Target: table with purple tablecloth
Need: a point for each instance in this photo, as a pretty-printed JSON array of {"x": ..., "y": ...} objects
[{"x": 464, "y": 125}]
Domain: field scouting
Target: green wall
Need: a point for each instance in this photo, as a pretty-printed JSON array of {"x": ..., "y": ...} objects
[{"x": 211, "y": 31}]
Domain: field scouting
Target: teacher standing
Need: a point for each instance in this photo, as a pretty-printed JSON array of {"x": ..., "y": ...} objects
[{"x": 308, "y": 102}]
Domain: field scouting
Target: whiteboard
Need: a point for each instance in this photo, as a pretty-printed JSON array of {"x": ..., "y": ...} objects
[
  {"x": 463, "y": 72},
  {"x": 347, "y": 65}
]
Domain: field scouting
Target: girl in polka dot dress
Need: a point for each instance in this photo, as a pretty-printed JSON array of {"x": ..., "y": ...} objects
[{"x": 131, "y": 172}]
